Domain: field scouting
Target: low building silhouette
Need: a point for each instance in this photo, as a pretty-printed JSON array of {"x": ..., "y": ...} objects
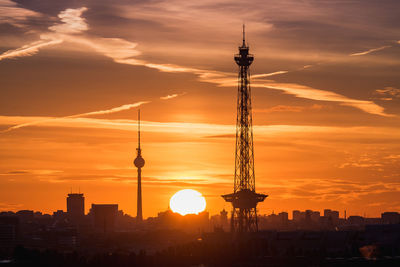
[
  {"x": 104, "y": 217},
  {"x": 390, "y": 217}
]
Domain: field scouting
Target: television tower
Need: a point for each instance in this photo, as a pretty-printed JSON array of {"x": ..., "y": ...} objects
[
  {"x": 244, "y": 198},
  {"x": 139, "y": 163}
]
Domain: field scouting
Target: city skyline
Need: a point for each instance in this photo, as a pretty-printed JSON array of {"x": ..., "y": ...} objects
[
  {"x": 325, "y": 89},
  {"x": 75, "y": 214}
]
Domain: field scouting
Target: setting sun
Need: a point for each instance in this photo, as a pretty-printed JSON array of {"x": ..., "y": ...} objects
[{"x": 187, "y": 201}]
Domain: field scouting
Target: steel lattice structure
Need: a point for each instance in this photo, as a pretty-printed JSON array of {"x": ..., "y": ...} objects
[{"x": 244, "y": 198}]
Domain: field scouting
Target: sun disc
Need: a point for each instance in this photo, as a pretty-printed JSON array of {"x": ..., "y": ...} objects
[{"x": 187, "y": 201}]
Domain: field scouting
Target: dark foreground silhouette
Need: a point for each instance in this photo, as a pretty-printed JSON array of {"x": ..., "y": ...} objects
[{"x": 251, "y": 252}]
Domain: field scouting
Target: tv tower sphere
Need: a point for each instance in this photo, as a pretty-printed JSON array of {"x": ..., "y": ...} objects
[{"x": 139, "y": 161}]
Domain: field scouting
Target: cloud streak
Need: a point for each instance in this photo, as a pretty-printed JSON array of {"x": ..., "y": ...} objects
[
  {"x": 72, "y": 23},
  {"x": 167, "y": 97},
  {"x": 370, "y": 51},
  {"x": 30, "y": 49},
  {"x": 322, "y": 95},
  {"x": 256, "y": 76},
  {"x": 111, "y": 110},
  {"x": 193, "y": 129},
  {"x": 285, "y": 108},
  {"x": 45, "y": 120}
]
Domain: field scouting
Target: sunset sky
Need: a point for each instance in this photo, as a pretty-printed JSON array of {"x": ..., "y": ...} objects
[{"x": 325, "y": 93}]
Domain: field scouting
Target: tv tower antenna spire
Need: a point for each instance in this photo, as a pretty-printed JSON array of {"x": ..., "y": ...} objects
[
  {"x": 244, "y": 36},
  {"x": 244, "y": 198},
  {"x": 139, "y": 163}
]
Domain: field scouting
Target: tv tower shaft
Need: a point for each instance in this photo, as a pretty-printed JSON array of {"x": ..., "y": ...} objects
[{"x": 139, "y": 163}]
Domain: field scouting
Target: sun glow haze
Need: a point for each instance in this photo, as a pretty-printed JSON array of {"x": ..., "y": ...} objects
[{"x": 187, "y": 201}]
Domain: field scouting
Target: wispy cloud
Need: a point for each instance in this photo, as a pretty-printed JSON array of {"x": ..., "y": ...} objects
[
  {"x": 99, "y": 112},
  {"x": 370, "y": 51},
  {"x": 388, "y": 93},
  {"x": 393, "y": 157},
  {"x": 71, "y": 29},
  {"x": 256, "y": 76},
  {"x": 360, "y": 165},
  {"x": 111, "y": 110},
  {"x": 298, "y": 90},
  {"x": 30, "y": 49},
  {"x": 322, "y": 95},
  {"x": 34, "y": 172},
  {"x": 72, "y": 23},
  {"x": 125, "y": 52},
  {"x": 371, "y": 161},
  {"x": 194, "y": 129},
  {"x": 171, "y": 96},
  {"x": 168, "y": 96},
  {"x": 10, "y": 206},
  {"x": 13, "y": 14},
  {"x": 285, "y": 108}
]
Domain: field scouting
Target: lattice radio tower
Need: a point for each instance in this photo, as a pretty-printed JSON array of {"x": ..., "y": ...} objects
[{"x": 244, "y": 198}]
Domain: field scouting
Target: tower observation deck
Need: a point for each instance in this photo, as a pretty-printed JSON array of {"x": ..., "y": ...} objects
[{"x": 244, "y": 198}]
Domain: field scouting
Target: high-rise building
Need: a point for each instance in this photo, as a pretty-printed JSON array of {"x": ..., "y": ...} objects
[
  {"x": 104, "y": 217},
  {"x": 315, "y": 216},
  {"x": 224, "y": 219},
  {"x": 331, "y": 215},
  {"x": 75, "y": 207},
  {"x": 283, "y": 217},
  {"x": 297, "y": 216},
  {"x": 327, "y": 212}
]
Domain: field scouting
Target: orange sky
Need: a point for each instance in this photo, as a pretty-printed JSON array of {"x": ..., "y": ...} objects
[{"x": 325, "y": 88}]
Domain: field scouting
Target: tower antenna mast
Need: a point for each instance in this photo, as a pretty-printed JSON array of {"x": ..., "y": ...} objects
[{"x": 139, "y": 129}]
